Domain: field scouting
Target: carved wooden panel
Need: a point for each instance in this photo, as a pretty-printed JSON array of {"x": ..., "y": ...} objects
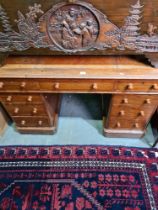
[
  {"x": 76, "y": 26},
  {"x": 71, "y": 27}
]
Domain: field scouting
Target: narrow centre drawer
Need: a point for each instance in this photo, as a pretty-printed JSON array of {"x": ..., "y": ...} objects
[{"x": 77, "y": 85}]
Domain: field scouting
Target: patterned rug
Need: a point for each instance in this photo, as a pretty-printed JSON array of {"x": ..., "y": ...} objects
[{"x": 78, "y": 178}]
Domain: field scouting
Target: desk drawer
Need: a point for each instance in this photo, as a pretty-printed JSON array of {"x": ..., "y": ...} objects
[
  {"x": 21, "y": 99},
  {"x": 128, "y": 113},
  {"x": 18, "y": 85},
  {"x": 140, "y": 86},
  {"x": 135, "y": 100},
  {"x": 77, "y": 85},
  {"x": 26, "y": 110},
  {"x": 32, "y": 121},
  {"x": 114, "y": 123}
]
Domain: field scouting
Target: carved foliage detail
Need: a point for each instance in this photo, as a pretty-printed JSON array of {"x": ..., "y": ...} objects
[{"x": 74, "y": 27}]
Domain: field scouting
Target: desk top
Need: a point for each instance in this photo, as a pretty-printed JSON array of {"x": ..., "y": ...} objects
[{"x": 77, "y": 67}]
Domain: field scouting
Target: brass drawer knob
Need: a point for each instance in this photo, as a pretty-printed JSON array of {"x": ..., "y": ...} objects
[
  {"x": 142, "y": 113},
  {"x": 40, "y": 122},
  {"x": 1, "y": 84},
  {"x": 57, "y": 85},
  {"x": 155, "y": 86},
  {"x": 23, "y": 122},
  {"x": 16, "y": 110},
  {"x": 9, "y": 98},
  {"x": 125, "y": 101},
  {"x": 95, "y": 86},
  {"x": 118, "y": 124},
  {"x": 148, "y": 101},
  {"x": 29, "y": 99},
  {"x": 35, "y": 110},
  {"x": 23, "y": 85},
  {"x": 122, "y": 113},
  {"x": 130, "y": 86}
]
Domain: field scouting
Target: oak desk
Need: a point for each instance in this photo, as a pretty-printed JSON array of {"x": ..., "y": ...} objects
[{"x": 30, "y": 89}]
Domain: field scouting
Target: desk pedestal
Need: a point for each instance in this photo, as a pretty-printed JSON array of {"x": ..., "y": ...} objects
[
  {"x": 129, "y": 115},
  {"x": 32, "y": 113}
]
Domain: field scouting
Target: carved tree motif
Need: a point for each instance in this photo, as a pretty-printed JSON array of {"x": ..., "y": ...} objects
[
  {"x": 131, "y": 29},
  {"x": 5, "y": 21}
]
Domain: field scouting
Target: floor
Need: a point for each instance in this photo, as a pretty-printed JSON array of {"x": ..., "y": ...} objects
[{"x": 80, "y": 123}]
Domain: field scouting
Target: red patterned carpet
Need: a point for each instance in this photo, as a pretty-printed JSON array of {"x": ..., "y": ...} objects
[{"x": 78, "y": 178}]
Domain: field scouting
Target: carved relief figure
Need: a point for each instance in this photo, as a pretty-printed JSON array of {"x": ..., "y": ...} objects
[
  {"x": 73, "y": 27},
  {"x": 88, "y": 32},
  {"x": 70, "y": 32}
]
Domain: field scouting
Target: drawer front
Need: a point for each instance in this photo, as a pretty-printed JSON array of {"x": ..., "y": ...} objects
[
  {"x": 18, "y": 85},
  {"x": 135, "y": 100},
  {"x": 21, "y": 99},
  {"x": 23, "y": 110},
  {"x": 137, "y": 86},
  {"x": 114, "y": 123},
  {"x": 32, "y": 121},
  {"x": 128, "y": 113},
  {"x": 77, "y": 85}
]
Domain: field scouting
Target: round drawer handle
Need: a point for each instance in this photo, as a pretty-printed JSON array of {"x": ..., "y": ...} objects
[
  {"x": 23, "y": 122},
  {"x": 23, "y": 85},
  {"x": 155, "y": 86},
  {"x": 34, "y": 110},
  {"x": 29, "y": 99},
  {"x": 122, "y": 113},
  {"x": 9, "y": 98},
  {"x": 57, "y": 85},
  {"x": 1, "y": 84},
  {"x": 118, "y": 124},
  {"x": 16, "y": 110},
  {"x": 95, "y": 86},
  {"x": 125, "y": 101},
  {"x": 148, "y": 101},
  {"x": 142, "y": 113},
  {"x": 40, "y": 122},
  {"x": 136, "y": 125},
  {"x": 130, "y": 86}
]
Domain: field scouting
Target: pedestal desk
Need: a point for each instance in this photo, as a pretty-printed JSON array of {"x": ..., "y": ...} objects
[
  {"x": 30, "y": 88},
  {"x": 79, "y": 28}
]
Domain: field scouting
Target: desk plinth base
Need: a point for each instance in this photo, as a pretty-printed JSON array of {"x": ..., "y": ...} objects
[
  {"x": 32, "y": 130},
  {"x": 115, "y": 133}
]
